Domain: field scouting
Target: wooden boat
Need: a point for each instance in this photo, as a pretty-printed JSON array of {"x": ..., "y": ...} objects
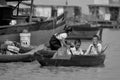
[
  {"x": 41, "y": 32},
  {"x": 38, "y": 35},
  {"x": 16, "y": 58},
  {"x": 76, "y": 60},
  {"x": 21, "y": 57},
  {"x": 37, "y": 29}
]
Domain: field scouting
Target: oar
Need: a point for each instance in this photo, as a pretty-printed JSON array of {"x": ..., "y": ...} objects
[
  {"x": 40, "y": 47},
  {"x": 104, "y": 49}
]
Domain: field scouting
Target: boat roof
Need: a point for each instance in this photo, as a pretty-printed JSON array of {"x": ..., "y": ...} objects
[{"x": 104, "y": 5}]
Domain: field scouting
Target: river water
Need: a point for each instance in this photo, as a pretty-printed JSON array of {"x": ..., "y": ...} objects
[{"x": 33, "y": 71}]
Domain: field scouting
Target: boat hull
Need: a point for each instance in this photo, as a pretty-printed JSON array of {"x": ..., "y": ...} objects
[
  {"x": 75, "y": 60},
  {"x": 16, "y": 58}
]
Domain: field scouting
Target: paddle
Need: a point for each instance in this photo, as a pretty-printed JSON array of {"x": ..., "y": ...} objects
[
  {"x": 40, "y": 47},
  {"x": 104, "y": 49}
]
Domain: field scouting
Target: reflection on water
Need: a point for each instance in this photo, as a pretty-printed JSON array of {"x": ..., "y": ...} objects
[{"x": 33, "y": 71}]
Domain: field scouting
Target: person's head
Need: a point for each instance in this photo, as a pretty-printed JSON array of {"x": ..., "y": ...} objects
[
  {"x": 77, "y": 43},
  {"x": 95, "y": 39},
  {"x": 68, "y": 29}
]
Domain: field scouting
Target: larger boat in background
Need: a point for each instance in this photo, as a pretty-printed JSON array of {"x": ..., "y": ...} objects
[
  {"x": 84, "y": 31},
  {"x": 41, "y": 32}
]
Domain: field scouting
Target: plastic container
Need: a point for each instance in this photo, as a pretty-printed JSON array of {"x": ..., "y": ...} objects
[{"x": 25, "y": 38}]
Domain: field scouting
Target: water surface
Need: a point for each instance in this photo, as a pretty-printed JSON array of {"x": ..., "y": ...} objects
[{"x": 33, "y": 71}]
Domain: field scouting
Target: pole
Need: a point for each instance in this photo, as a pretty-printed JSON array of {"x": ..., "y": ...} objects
[
  {"x": 66, "y": 12},
  {"x": 17, "y": 6},
  {"x": 31, "y": 11},
  {"x": 100, "y": 34},
  {"x": 54, "y": 17}
]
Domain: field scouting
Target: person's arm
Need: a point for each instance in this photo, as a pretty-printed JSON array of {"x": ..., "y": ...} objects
[
  {"x": 63, "y": 43},
  {"x": 88, "y": 50},
  {"x": 98, "y": 48},
  {"x": 62, "y": 38}
]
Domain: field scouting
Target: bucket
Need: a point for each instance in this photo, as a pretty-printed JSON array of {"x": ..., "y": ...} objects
[{"x": 25, "y": 38}]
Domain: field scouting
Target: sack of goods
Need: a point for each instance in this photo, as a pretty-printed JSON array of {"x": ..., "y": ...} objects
[{"x": 13, "y": 48}]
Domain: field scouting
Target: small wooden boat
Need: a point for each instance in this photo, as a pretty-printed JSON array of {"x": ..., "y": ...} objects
[
  {"x": 21, "y": 57},
  {"x": 16, "y": 58},
  {"x": 76, "y": 60}
]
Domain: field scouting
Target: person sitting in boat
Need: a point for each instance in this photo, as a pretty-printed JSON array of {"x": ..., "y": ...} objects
[
  {"x": 95, "y": 47},
  {"x": 58, "y": 39},
  {"x": 64, "y": 51},
  {"x": 76, "y": 49}
]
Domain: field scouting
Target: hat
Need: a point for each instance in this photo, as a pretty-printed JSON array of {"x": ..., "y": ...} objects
[{"x": 68, "y": 28}]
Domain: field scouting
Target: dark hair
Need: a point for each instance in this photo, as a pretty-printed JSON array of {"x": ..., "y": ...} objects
[
  {"x": 96, "y": 36},
  {"x": 67, "y": 29},
  {"x": 77, "y": 40}
]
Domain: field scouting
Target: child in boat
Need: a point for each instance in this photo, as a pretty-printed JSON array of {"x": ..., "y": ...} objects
[
  {"x": 58, "y": 39},
  {"x": 76, "y": 49},
  {"x": 95, "y": 47}
]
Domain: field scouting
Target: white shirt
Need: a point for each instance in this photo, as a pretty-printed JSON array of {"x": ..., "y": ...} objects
[
  {"x": 62, "y": 36},
  {"x": 93, "y": 49},
  {"x": 76, "y": 52}
]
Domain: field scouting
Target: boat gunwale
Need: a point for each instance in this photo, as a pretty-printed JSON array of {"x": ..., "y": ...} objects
[{"x": 93, "y": 60}]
